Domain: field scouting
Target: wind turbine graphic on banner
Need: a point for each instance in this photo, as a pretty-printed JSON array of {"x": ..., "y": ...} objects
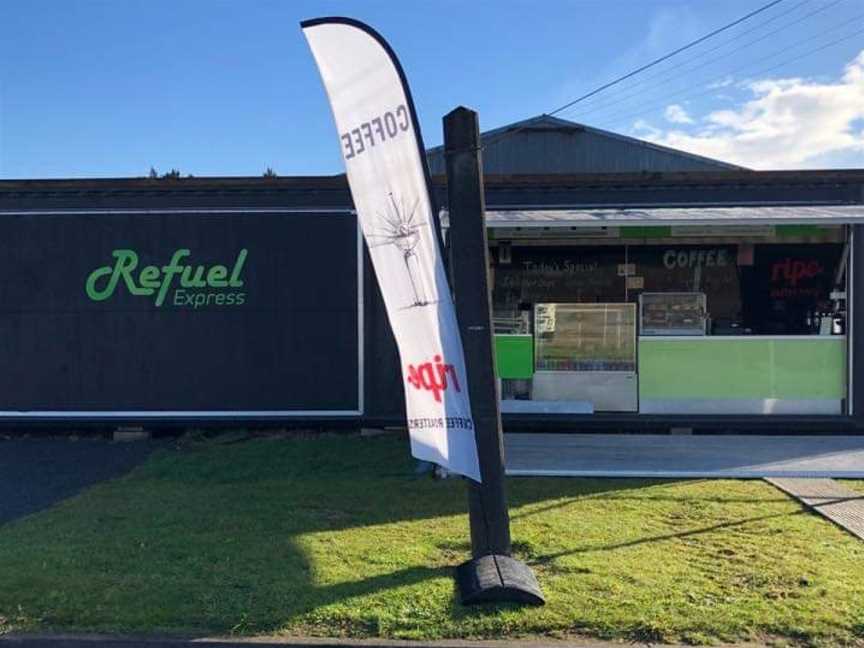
[{"x": 399, "y": 228}]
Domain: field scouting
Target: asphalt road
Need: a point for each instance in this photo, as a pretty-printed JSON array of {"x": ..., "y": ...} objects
[{"x": 36, "y": 473}]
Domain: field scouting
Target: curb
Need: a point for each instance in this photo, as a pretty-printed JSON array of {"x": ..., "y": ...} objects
[{"x": 33, "y": 640}]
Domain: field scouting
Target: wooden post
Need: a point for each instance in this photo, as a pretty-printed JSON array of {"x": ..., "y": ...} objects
[{"x": 492, "y": 574}]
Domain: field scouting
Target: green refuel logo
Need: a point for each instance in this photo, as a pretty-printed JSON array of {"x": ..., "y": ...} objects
[{"x": 183, "y": 284}]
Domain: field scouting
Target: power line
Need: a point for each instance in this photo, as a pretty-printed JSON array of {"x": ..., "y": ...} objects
[
  {"x": 689, "y": 94},
  {"x": 642, "y": 68},
  {"x": 703, "y": 53},
  {"x": 665, "y": 57},
  {"x": 642, "y": 111},
  {"x": 595, "y": 107},
  {"x": 601, "y": 106}
]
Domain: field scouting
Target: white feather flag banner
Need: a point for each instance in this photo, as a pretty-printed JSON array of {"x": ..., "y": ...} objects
[{"x": 384, "y": 158}]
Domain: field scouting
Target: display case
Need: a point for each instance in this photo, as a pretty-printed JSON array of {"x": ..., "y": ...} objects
[
  {"x": 511, "y": 322},
  {"x": 672, "y": 313},
  {"x": 585, "y": 337}
]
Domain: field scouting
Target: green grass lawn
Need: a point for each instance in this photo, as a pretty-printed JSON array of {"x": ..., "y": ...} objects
[
  {"x": 336, "y": 536},
  {"x": 854, "y": 484}
]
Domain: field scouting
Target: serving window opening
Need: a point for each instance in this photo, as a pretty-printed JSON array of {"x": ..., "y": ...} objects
[{"x": 672, "y": 320}]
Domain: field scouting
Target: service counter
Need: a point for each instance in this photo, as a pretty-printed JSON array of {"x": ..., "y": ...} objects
[
  {"x": 714, "y": 321},
  {"x": 742, "y": 374}
]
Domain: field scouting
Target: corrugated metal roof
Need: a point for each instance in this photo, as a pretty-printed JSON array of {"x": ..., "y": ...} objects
[
  {"x": 792, "y": 215},
  {"x": 547, "y": 144}
]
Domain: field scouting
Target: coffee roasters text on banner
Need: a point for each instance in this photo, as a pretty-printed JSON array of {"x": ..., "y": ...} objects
[{"x": 382, "y": 148}]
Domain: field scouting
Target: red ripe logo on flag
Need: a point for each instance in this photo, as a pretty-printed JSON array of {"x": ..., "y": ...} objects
[{"x": 433, "y": 376}]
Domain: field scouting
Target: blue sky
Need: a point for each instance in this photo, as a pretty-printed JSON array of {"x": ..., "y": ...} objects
[{"x": 107, "y": 88}]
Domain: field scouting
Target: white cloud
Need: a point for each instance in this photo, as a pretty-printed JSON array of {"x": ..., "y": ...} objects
[
  {"x": 641, "y": 124},
  {"x": 722, "y": 83},
  {"x": 788, "y": 123},
  {"x": 677, "y": 115}
]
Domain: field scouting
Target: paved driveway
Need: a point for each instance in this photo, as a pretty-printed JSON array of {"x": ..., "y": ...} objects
[
  {"x": 649, "y": 455},
  {"x": 36, "y": 473}
]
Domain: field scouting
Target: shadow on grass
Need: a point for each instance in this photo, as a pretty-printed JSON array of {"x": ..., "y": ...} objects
[
  {"x": 647, "y": 499},
  {"x": 234, "y": 538},
  {"x": 662, "y": 537},
  {"x": 37, "y": 473}
]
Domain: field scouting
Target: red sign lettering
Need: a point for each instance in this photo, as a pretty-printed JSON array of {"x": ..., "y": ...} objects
[
  {"x": 435, "y": 376},
  {"x": 794, "y": 270}
]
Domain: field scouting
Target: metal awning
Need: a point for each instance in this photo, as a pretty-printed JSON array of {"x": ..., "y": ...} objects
[{"x": 670, "y": 216}]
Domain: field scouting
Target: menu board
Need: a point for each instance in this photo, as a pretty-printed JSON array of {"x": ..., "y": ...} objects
[
  {"x": 709, "y": 269},
  {"x": 574, "y": 274},
  {"x": 767, "y": 287}
]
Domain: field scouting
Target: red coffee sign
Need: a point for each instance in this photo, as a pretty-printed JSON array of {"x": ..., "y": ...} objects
[{"x": 433, "y": 376}]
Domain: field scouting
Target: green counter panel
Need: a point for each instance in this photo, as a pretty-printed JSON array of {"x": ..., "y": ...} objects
[
  {"x": 742, "y": 368},
  {"x": 514, "y": 356}
]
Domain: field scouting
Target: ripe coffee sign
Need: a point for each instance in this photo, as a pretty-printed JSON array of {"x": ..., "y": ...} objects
[
  {"x": 788, "y": 273},
  {"x": 434, "y": 377},
  {"x": 800, "y": 272}
]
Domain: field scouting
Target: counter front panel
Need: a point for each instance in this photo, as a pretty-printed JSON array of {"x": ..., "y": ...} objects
[
  {"x": 514, "y": 356},
  {"x": 742, "y": 375}
]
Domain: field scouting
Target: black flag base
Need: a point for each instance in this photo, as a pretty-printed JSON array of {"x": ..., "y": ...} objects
[{"x": 497, "y": 579}]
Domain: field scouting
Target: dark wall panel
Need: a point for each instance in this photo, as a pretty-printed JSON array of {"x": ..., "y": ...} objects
[
  {"x": 385, "y": 393},
  {"x": 283, "y": 338}
]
